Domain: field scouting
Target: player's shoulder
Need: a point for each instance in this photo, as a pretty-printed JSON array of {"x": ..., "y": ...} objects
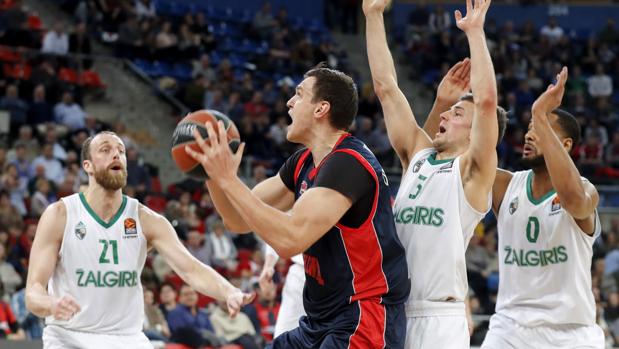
[
  {"x": 56, "y": 210},
  {"x": 147, "y": 215}
]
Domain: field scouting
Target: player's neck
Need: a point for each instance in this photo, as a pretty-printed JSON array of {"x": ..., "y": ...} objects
[
  {"x": 541, "y": 183},
  {"x": 323, "y": 144},
  {"x": 104, "y": 202}
]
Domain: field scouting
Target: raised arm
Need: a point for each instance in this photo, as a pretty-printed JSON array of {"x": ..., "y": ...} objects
[
  {"x": 43, "y": 259},
  {"x": 480, "y": 161},
  {"x": 578, "y": 197},
  {"x": 405, "y": 135},
  {"x": 271, "y": 191},
  {"x": 454, "y": 85},
  {"x": 200, "y": 277}
]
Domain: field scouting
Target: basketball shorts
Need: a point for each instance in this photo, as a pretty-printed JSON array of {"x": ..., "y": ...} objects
[
  {"x": 431, "y": 332},
  {"x": 291, "y": 309},
  {"x": 363, "y": 324},
  {"x": 55, "y": 337},
  {"x": 505, "y": 333}
]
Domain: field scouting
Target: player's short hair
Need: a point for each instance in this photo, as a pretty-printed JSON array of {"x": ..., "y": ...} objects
[
  {"x": 85, "y": 154},
  {"x": 339, "y": 90},
  {"x": 501, "y": 115},
  {"x": 569, "y": 125}
]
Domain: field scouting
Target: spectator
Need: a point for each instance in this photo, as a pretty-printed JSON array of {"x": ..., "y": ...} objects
[
  {"x": 20, "y": 160},
  {"x": 9, "y": 215},
  {"x": 9, "y": 278},
  {"x": 265, "y": 310},
  {"x": 40, "y": 111},
  {"x": 26, "y": 138},
  {"x": 16, "y": 186},
  {"x": 69, "y": 113},
  {"x": 30, "y": 323},
  {"x": 188, "y": 324},
  {"x": 224, "y": 251},
  {"x": 167, "y": 298},
  {"x": 56, "y": 41},
  {"x": 17, "y": 108},
  {"x": 9, "y": 327},
  {"x": 263, "y": 20},
  {"x": 79, "y": 42},
  {"x": 612, "y": 152},
  {"x": 145, "y": 8},
  {"x": 552, "y": 31},
  {"x": 238, "y": 330},
  {"x": 199, "y": 247},
  {"x": 203, "y": 68},
  {"x": 600, "y": 84},
  {"x": 130, "y": 41},
  {"x": 137, "y": 174},
  {"x": 41, "y": 198},
  {"x": 440, "y": 20},
  {"x": 155, "y": 324},
  {"x": 591, "y": 155},
  {"x": 53, "y": 168},
  {"x": 595, "y": 129}
]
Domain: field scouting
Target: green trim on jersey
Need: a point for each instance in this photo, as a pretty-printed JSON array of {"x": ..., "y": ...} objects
[
  {"x": 97, "y": 218},
  {"x": 530, "y": 191},
  {"x": 432, "y": 160}
]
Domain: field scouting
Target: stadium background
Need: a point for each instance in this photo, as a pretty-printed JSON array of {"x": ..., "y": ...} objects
[{"x": 70, "y": 68}]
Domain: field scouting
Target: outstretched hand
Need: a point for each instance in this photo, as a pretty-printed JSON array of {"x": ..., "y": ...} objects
[
  {"x": 375, "y": 6},
  {"x": 456, "y": 82},
  {"x": 237, "y": 299},
  {"x": 475, "y": 15},
  {"x": 552, "y": 97},
  {"x": 216, "y": 157}
]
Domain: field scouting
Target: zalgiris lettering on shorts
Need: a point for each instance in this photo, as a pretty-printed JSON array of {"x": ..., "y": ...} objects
[
  {"x": 98, "y": 278},
  {"x": 534, "y": 258},
  {"x": 420, "y": 215}
]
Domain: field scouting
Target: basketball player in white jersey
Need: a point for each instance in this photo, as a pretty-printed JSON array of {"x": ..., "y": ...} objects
[
  {"x": 291, "y": 308},
  {"x": 547, "y": 223},
  {"x": 88, "y": 255},
  {"x": 446, "y": 187}
]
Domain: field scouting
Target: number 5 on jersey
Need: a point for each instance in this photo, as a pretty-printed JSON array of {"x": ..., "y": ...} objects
[{"x": 103, "y": 259}]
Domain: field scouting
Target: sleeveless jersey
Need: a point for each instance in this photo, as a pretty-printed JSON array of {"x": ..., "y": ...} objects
[
  {"x": 544, "y": 259},
  {"x": 349, "y": 264},
  {"x": 435, "y": 224},
  {"x": 100, "y": 264}
]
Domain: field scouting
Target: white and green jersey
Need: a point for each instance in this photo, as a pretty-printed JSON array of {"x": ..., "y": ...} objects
[
  {"x": 435, "y": 223},
  {"x": 544, "y": 259},
  {"x": 100, "y": 264}
]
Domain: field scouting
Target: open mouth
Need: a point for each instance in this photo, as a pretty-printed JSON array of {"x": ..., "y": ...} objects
[
  {"x": 116, "y": 167},
  {"x": 528, "y": 149}
]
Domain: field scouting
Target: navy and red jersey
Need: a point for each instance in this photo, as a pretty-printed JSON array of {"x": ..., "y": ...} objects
[{"x": 361, "y": 257}]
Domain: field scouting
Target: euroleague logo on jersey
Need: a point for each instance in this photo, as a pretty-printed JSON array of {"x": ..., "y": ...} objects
[
  {"x": 303, "y": 188},
  {"x": 555, "y": 206},
  {"x": 131, "y": 229}
]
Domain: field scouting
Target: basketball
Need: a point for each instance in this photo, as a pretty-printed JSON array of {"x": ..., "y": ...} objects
[{"x": 183, "y": 135}]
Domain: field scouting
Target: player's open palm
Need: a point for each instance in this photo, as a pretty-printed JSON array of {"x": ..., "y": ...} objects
[
  {"x": 475, "y": 15},
  {"x": 456, "y": 82},
  {"x": 64, "y": 308},
  {"x": 552, "y": 97},
  {"x": 370, "y": 6},
  {"x": 238, "y": 299},
  {"x": 216, "y": 157}
]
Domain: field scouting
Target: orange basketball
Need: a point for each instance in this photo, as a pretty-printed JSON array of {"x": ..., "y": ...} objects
[{"x": 183, "y": 135}]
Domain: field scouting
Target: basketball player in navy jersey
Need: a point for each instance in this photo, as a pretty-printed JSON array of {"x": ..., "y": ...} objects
[{"x": 340, "y": 219}]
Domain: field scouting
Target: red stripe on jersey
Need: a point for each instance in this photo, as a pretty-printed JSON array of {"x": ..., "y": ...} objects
[
  {"x": 363, "y": 249},
  {"x": 299, "y": 165},
  {"x": 370, "y": 332}
]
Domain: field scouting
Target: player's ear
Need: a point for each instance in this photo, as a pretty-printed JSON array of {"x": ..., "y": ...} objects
[{"x": 567, "y": 144}]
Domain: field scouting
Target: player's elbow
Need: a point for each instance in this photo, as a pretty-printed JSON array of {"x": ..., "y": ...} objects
[
  {"x": 385, "y": 88},
  {"x": 578, "y": 205}
]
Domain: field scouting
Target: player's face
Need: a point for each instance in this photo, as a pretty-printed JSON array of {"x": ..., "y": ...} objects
[
  {"x": 455, "y": 126},
  {"x": 532, "y": 155},
  {"x": 301, "y": 110},
  {"x": 108, "y": 162}
]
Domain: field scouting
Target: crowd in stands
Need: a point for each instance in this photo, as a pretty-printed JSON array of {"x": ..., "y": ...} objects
[{"x": 247, "y": 65}]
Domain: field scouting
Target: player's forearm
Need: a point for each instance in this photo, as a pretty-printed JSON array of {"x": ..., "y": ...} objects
[
  {"x": 273, "y": 226},
  {"x": 564, "y": 175},
  {"x": 232, "y": 219},
  {"x": 207, "y": 281},
  {"x": 38, "y": 301},
  {"x": 269, "y": 261},
  {"x": 483, "y": 80},
  {"x": 381, "y": 62}
]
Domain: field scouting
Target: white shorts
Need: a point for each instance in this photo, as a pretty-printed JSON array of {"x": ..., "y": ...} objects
[
  {"x": 433, "y": 332},
  {"x": 55, "y": 337},
  {"x": 291, "y": 308},
  {"x": 505, "y": 333}
]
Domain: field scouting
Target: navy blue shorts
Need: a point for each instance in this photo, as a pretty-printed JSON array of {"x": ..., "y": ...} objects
[{"x": 361, "y": 325}]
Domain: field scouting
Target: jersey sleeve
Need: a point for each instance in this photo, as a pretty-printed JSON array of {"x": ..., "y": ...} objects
[
  {"x": 286, "y": 172},
  {"x": 343, "y": 173}
]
